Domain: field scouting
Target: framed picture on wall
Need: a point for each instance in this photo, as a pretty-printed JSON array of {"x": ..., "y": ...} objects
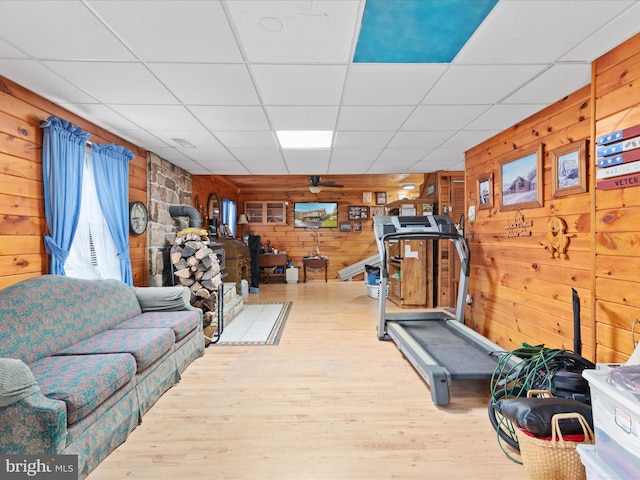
[
  {"x": 381, "y": 198},
  {"x": 485, "y": 191},
  {"x": 358, "y": 212},
  {"x": 568, "y": 169},
  {"x": 377, "y": 211},
  {"x": 345, "y": 226},
  {"x": 521, "y": 180},
  {"x": 357, "y": 226}
]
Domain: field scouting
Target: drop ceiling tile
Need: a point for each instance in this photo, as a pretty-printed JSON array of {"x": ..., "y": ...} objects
[
  {"x": 303, "y": 118},
  {"x": 372, "y": 118},
  {"x": 553, "y": 84},
  {"x": 477, "y": 85},
  {"x": 433, "y": 165},
  {"x": 500, "y": 117},
  {"x": 199, "y": 84},
  {"x": 143, "y": 139},
  {"x": 387, "y": 84},
  {"x": 419, "y": 140},
  {"x": 159, "y": 117},
  {"x": 613, "y": 33},
  {"x": 208, "y": 156},
  {"x": 303, "y": 31},
  {"x": 397, "y": 160},
  {"x": 307, "y": 162},
  {"x": 176, "y": 157},
  {"x": 9, "y": 51},
  {"x": 351, "y": 166},
  {"x": 512, "y": 32},
  {"x": 260, "y": 161},
  {"x": 247, "y": 140},
  {"x": 100, "y": 115},
  {"x": 443, "y": 117},
  {"x": 231, "y": 118},
  {"x": 304, "y": 85},
  {"x": 367, "y": 140},
  {"x": 75, "y": 32},
  {"x": 114, "y": 82},
  {"x": 172, "y": 31},
  {"x": 198, "y": 138},
  {"x": 464, "y": 140},
  {"x": 34, "y": 76}
]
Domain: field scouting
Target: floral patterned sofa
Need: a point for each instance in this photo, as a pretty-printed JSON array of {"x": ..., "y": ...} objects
[{"x": 81, "y": 361}]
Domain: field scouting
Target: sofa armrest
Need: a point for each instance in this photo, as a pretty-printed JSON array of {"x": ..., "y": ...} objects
[{"x": 167, "y": 299}]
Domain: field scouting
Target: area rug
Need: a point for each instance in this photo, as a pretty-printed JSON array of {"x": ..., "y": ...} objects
[{"x": 256, "y": 324}]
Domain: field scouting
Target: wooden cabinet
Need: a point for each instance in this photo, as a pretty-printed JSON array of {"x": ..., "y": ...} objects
[
  {"x": 409, "y": 278},
  {"x": 266, "y": 212},
  {"x": 269, "y": 263}
]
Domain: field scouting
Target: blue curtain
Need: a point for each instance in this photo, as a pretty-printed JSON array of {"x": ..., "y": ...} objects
[
  {"x": 229, "y": 214},
  {"x": 111, "y": 176},
  {"x": 63, "y": 149}
]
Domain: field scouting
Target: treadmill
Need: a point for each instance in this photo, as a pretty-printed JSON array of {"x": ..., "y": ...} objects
[{"x": 435, "y": 341}]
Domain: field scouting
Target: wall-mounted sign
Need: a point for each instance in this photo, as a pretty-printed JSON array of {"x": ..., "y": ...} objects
[
  {"x": 618, "y": 162},
  {"x": 519, "y": 227}
]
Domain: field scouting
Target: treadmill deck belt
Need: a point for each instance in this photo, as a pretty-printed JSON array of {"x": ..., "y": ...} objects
[{"x": 462, "y": 357}]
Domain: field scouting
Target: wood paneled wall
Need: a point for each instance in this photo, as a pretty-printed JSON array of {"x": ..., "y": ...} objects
[
  {"x": 616, "y": 89},
  {"x": 521, "y": 294},
  {"x": 22, "y": 220}
]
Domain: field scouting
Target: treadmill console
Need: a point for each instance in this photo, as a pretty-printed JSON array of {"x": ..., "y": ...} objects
[{"x": 385, "y": 225}]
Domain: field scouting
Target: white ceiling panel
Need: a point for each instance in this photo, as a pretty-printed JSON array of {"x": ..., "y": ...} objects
[
  {"x": 159, "y": 117},
  {"x": 225, "y": 74},
  {"x": 443, "y": 117},
  {"x": 34, "y": 76},
  {"x": 372, "y": 118},
  {"x": 231, "y": 118},
  {"x": 353, "y": 140},
  {"x": 551, "y": 85},
  {"x": 303, "y": 118},
  {"x": 307, "y": 161},
  {"x": 500, "y": 117},
  {"x": 58, "y": 29},
  {"x": 305, "y": 85},
  {"x": 198, "y": 84},
  {"x": 254, "y": 140},
  {"x": 476, "y": 85},
  {"x": 401, "y": 85},
  {"x": 115, "y": 82},
  {"x": 174, "y": 31},
  {"x": 301, "y": 32}
]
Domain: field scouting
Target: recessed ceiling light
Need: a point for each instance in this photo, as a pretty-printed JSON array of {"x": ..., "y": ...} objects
[
  {"x": 298, "y": 139},
  {"x": 408, "y": 186}
]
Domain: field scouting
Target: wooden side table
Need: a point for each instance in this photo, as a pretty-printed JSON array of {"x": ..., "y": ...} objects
[
  {"x": 270, "y": 261},
  {"x": 315, "y": 263}
]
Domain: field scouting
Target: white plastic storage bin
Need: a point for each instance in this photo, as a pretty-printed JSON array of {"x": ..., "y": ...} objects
[
  {"x": 594, "y": 466},
  {"x": 374, "y": 290},
  {"x": 616, "y": 418}
]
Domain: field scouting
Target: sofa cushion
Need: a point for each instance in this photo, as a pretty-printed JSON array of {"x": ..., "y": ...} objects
[
  {"x": 146, "y": 344},
  {"x": 83, "y": 382},
  {"x": 50, "y": 312},
  {"x": 180, "y": 322}
]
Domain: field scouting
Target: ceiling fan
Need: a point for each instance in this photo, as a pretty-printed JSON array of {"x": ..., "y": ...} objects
[{"x": 316, "y": 185}]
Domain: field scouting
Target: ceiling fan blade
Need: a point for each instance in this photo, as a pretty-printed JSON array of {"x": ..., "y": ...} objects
[{"x": 331, "y": 184}]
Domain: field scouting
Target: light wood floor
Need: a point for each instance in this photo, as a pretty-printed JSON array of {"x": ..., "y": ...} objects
[{"x": 329, "y": 402}]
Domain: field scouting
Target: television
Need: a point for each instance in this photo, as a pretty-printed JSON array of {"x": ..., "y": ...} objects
[{"x": 315, "y": 214}]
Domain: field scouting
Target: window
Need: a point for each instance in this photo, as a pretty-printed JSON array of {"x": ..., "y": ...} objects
[{"x": 230, "y": 214}]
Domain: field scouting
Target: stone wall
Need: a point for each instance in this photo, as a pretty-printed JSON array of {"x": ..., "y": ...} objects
[{"x": 168, "y": 185}]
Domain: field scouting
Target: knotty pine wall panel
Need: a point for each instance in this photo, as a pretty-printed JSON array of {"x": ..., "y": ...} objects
[
  {"x": 22, "y": 220},
  {"x": 520, "y": 294},
  {"x": 616, "y": 83}
]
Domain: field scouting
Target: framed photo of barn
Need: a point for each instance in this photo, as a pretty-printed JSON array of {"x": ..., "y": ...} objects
[
  {"x": 485, "y": 191},
  {"x": 521, "y": 180},
  {"x": 568, "y": 169}
]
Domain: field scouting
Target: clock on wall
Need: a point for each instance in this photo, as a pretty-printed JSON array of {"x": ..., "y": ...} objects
[{"x": 138, "y": 217}]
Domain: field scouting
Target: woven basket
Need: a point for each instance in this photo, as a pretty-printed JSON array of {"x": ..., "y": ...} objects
[{"x": 555, "y": 459}]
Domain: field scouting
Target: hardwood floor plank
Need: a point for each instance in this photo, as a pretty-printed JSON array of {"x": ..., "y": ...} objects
[{"x": 330, "y": 402}]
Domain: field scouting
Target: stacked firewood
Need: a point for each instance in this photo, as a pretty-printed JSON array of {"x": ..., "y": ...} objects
[{"x": 197, "y": 267}]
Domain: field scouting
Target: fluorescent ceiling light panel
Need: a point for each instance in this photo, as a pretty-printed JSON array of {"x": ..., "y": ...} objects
[
  {"x": 299, "y": 139},
  {"x": 418, "y": 31}
]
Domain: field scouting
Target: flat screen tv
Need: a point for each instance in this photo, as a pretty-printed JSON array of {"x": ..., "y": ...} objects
[{"x": 315, "y": 214}]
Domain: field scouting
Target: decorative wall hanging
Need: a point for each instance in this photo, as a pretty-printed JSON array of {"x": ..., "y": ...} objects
[
  {"x": 519, "y": 227},
  {"x": 366, "y": 197},
  {"x": 345, "y": 226},
  {"x": 357, "y": 226},
  {"x": 358, "y": 212},
  {"x": 569, "y": 169},
  {"x": 485, "y": 191},
  {"x": 619, "y": 159},
  {"x": 377, "y": 211},
  {"x": 521, "y": 180},
  {"x": 556, "y": 238},
  {"x": 381, "y": 198}
]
